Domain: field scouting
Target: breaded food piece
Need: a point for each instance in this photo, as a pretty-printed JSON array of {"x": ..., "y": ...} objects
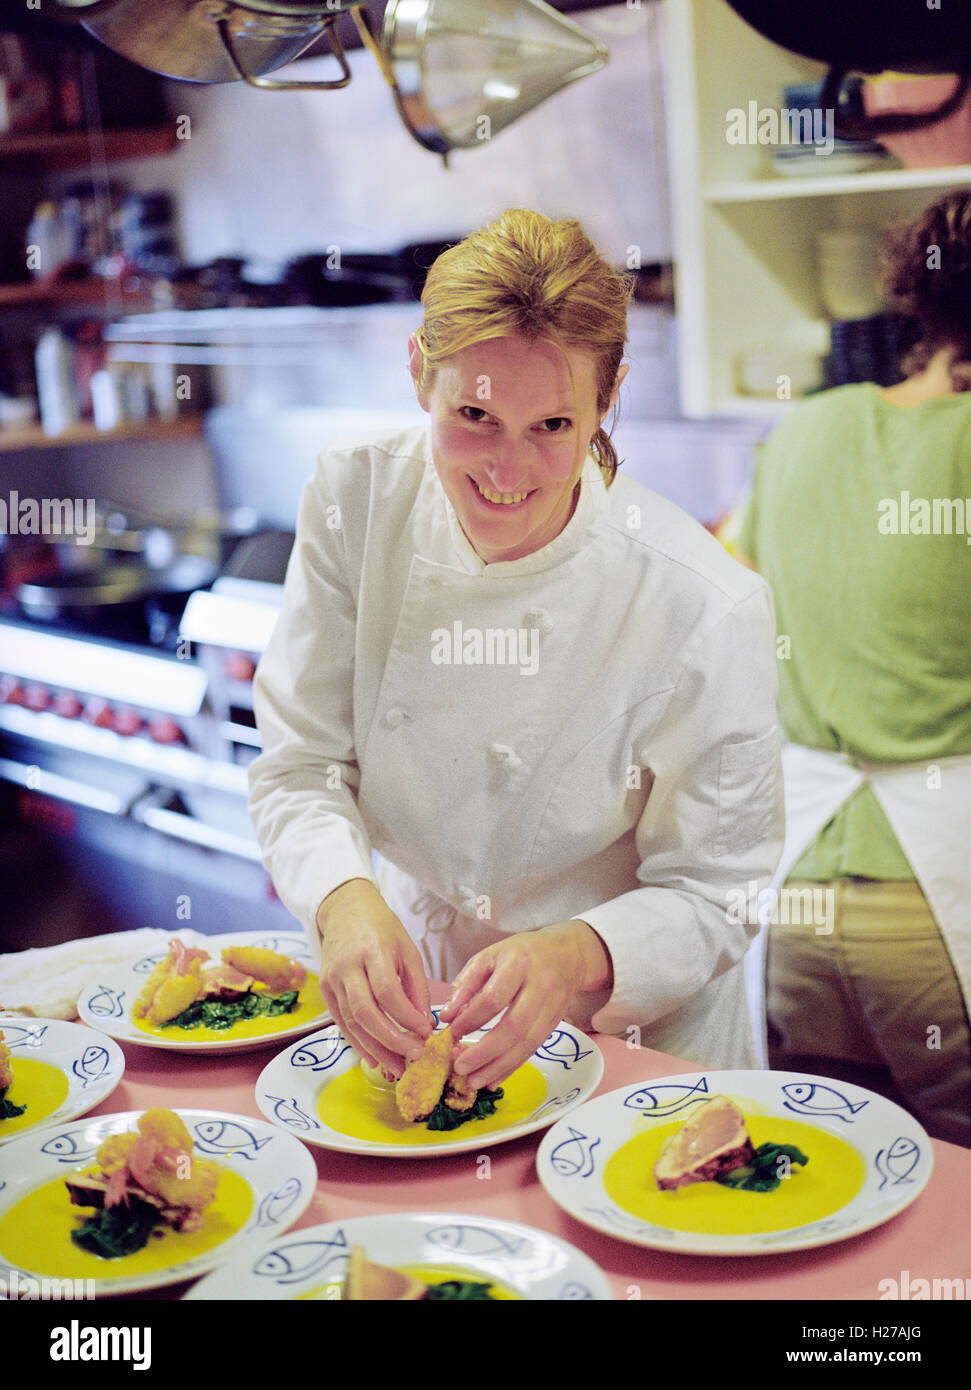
[
  {"x": 459, "y": 1095},
  {"x": 173, "y": 985},
  {"x": 6, "y": 1067},
  {"x": 157, "y": 1162},
  {"x": 421, "y": 1086},
  {"x": 277, "y": 972}
]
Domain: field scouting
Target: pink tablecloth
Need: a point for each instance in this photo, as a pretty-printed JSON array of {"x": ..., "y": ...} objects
[{"x": 930, "y": 1240}]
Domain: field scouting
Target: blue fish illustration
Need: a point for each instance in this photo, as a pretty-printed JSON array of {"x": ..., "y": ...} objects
[
  {"x": 896, "y": 1164},
  {"x": 107, "y": 1003},
  {"x": 92, "y": 1064},
  {"x": 275, "y": 1205},
  {"x": 555, "y": 1102},
  {"x": 228, "y": 1137},
  {"x": 573, "y": 1157},
  {"x": 667, "y": 1099},
  {"x": 302, "y": 1260},
  {"x": 320, "y": 1056},
  {"x": 147, "y": 964},
  {"x": 24, "y": 1035},
  {"x": 473, "y": 1240},
  {"x": 71, "y": 1148},
  {"x": 564, "y": 1048},
  {"x": 810, "y": 1098},
  {"x": 288, "y": 1111},
  {"x": 572, "y": 1292}
]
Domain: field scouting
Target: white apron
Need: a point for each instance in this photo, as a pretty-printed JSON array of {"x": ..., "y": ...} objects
[{"x": 928, "y": 805}]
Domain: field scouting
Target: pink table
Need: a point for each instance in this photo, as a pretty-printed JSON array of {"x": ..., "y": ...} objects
[{"x": 931, "y": 1239}]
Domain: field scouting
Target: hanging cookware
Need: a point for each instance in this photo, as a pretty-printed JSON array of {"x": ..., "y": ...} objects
[{"x": 856, "y": 35}]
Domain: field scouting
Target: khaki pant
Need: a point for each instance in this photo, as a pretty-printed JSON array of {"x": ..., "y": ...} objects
[{"x": 874, "y": 1000}]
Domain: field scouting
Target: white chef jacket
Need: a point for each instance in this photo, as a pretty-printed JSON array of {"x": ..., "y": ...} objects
[{"x": 617, "y": 761}]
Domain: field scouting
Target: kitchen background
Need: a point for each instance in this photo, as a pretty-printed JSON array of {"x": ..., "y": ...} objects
[{"x": 190, "y": 333}]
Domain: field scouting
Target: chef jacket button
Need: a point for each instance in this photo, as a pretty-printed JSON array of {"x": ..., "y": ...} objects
[
  {"x": 505, "y": 756},
  {"x": 538, "y": 617},
  {"x": 395, "y": 717}
]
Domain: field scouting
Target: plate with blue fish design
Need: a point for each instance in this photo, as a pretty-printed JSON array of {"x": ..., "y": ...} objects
[
  {"x": 60, "y": 1070},
  {"x": 107, "y": 1001},
  {"x": 831, "y": 1160},
  {"x": 318, "y": 1090},
  {"x": 266, "y": 1181},
  {"x": 511, "y": 1261}
]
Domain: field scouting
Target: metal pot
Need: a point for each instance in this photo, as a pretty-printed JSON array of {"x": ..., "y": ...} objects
[{"x": 213, "y": 40}]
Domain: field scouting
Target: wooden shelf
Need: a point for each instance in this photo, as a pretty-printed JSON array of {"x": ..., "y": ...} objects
[
  {"x": 33, "y": 437},
  {"x": 64, "y": 149},
  {"x": 64, "y": 293}
]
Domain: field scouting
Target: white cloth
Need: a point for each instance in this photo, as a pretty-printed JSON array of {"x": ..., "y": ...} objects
[
  {"x": 623, "y": 768},
  {"x": 928, "y": 805}
]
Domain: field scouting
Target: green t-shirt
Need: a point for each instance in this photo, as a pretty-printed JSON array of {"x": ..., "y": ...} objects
[{"x": 860, "y": 520}]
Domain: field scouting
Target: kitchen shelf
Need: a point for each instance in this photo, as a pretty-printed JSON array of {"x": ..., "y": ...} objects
[
  {"x": 33, "y": 437},
  {"x": 69, "y": 148},
  {"x": 65, "y": 293},
  {"x": 817, "y": 185},
  {"x": 746, "y": 237}
]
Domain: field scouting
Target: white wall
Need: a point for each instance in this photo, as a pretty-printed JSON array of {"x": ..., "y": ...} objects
[{"x": 272, "y": 175}]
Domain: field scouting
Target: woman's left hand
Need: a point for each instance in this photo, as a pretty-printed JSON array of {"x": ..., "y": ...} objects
[{"x": 533, "y": 975}]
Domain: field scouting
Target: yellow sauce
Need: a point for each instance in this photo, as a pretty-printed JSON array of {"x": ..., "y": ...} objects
[
  {"x": 35, "y": 1234},
  {"x": 832, "y": 1177},
  {"x": 353, "y": 1105},
  {"x": 428, "y": 1274},
  {"x": 310, "y": 1005},
  {"x": 39, "y": 1086}
]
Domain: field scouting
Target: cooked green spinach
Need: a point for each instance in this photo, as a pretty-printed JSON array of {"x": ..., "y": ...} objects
[
  {"x": 761, "y": 1173},
  {"x": 7, "y": 1108},
  {"x": 223, "y": 1013},
  {"x": 118, "y": 1230},
  {"x": 460, "y": 1291},
  {"x": 444, "y": 1117}
]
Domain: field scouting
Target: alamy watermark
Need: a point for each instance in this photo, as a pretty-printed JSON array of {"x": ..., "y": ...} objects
[
  {"x": 811, "y": 905},
  {"x": 765, "y": 125},
  {"x": 490, "y": 646},
  {"x": 924, "y": 516},
  {"x": 17, "y": 1286},
  {"x": 48, "y": 516}
]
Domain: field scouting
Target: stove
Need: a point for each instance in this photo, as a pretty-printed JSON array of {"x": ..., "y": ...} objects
[{"x": 126, "y": 757}]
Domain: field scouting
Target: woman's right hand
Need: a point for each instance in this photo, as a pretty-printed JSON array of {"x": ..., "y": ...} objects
[{"x": 372, "y": 976}]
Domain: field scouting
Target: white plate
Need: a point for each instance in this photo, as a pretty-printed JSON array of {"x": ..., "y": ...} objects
[
  {"x": 107, "y": 1001},
  {"x": 896, "y": 1153},
  {"x": 279, "y": 1170},
  {"x": 92, "y": 1063},
  {"x": 533, "y": 1263},
  {"x": 288, "y": 1089}
]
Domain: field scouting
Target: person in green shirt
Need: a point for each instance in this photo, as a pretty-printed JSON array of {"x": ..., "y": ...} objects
[{"x": 860, "y": 519}]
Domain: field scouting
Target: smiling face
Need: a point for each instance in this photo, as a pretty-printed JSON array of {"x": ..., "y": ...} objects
[{"x": 511, "y": 422}]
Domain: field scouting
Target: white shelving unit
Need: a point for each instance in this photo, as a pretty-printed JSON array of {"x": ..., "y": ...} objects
[{"x": 744, "y": 235}]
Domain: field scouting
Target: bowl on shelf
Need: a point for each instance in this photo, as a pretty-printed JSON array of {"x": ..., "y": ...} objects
[{"x": 945, "y": 142}]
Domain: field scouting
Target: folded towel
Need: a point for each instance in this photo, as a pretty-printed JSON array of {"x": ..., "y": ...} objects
[{"x": 46, "y": 981}]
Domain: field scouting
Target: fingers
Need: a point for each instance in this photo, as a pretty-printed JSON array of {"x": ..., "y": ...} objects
[{"x": 524, "y": 1028}]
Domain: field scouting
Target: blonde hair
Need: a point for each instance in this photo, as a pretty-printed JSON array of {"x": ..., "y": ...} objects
[{"x": 524, "y": 274}]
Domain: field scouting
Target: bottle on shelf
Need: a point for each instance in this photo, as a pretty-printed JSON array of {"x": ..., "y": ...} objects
[{"x": 55, "y": 383}]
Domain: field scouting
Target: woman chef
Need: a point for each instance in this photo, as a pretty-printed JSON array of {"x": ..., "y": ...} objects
[{"x": 546, "y": 697}]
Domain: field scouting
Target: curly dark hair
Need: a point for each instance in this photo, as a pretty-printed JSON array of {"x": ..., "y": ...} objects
[{"x": 927, "y": 273}]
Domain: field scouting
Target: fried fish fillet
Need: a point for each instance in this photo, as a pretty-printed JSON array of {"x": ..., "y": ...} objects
[
  {"x": 6, "y": 1069},
  {"x": 423, "y": 1081}
]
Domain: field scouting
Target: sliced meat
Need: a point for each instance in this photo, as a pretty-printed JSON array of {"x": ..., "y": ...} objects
[{"x": 713, "y": 1141}]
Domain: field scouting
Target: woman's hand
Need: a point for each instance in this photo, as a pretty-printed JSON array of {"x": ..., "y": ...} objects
[
  {"x": 533, "y": 975},
  {"x": 372, "y": 976}
]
